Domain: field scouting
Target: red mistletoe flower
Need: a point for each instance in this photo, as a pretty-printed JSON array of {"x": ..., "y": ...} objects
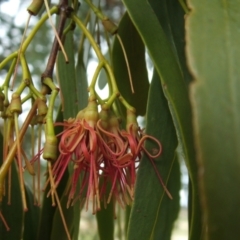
[
  {"x": 78, "y": 146},
  {"x": 103, "y": 157}
]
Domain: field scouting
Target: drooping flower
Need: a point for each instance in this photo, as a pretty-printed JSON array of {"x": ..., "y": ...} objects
[
  {"x": 136, "y": 139},
  {"x": 101, "y": 157},
  {"x": 78, "y": 146},
  {"x": 114, "y": 151}
]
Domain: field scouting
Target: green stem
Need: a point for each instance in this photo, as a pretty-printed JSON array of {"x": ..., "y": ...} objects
[
  {"x": 33, "y": 91},
  {"x": 100, "y": 101},
  {"x": 21, "y": 180},
  {"x": 89, "y": 36},
  {"x": 114, "y": 89},
  {"x": 126, "y": 104},
  {"x": 29, "y": 38},
  {"x": 12, "y": 152},
  {"x": 25, "y": 69},
  {"x": 26, "y": 75},
  {"x": 96, "y": 10},
  {"x": 29, "y": 95},
  {"x": 111, "y": 77},
  {"x": 36, "y": 93},
  {"x": 6, "y": 100},
  {"x": 27, "y": 80},
  {"x": 97, "y": 51},
  {"x": 69, "y": 28},
  {"x": 10, "y": 72},
  {"x": 95, "y": 77},
  {"x": 49, "y": 116},
  {"x": 7, "y": 59},
  {"x": 27, "y": 41}
]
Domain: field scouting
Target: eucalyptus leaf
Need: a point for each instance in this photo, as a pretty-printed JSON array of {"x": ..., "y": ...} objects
[
  {"x": 153, "y": 212},
  {"x": 13, "y": 210},
  {"x": 67, "y": 79},
  {"x": 135, "y": 52},
  {"x": 81, "y": 80},
  {"x": 176, "y": 92},
  {"x": 58, "y": 229},
  {"x": 213, "y": 55},
  {"x": 31, "y": 217},
  {"x": 171, "y": 17},
  {"x": 105, "y": 220}
]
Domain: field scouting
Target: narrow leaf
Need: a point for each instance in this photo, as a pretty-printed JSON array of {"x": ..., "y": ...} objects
[
  {"x": 213, "y": 54},
  {"x": 58, "y": 230},
  {"x": 31, "y": 218},
  {"x": 153, "y": 212},
  {"x": 81, "y": 81},
  {"x": 176, "y": 92},
  {"x": 105, "y": 220},
  {"x": 12, "y": 213},
  {"x": 171, "y": 17},
  {"x": 76, "y": 222},
  {"x": 135, "y": 52},
  {"x": 67, "y": 79}
]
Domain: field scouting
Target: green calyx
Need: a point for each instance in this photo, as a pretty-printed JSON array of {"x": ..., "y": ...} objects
[
  {"x": 35, "y": 7},
  {"x": 50, "y": 148},
  {"x": 15, "y": 105},
  {"x": 109, "y": 26},
  {"x": 90, "y": 113},
  {"x": 131, "y": 121}
]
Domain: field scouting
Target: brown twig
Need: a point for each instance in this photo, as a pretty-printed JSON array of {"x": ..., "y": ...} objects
[{"x": 65, "y": 11}]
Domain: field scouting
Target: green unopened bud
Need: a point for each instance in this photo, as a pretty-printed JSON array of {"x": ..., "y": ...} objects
[
  {"x": 50, "y": 148},
  {"x": 15, "y": 105},
  {"x": 35, "y": 7}
]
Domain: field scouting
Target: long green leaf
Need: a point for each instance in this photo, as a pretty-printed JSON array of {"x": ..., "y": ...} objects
[
  {"x": 153, "y": 212},
  {"x": 31, "y": 217},
  {"x": 105, "y": 220},
  {"x": 213, "y": 54},
  {"x": 81, "y": 80},
  {"x": 12, "y": 213},
  {"x": 67, "y": 79},
  {"x": 135, "y": 52},
  {"x": 175, "y": 90},
  {"x": 74, "y": 92},
  {"x": 171, "y": 17},
  {"x": 58, "y": 230}
]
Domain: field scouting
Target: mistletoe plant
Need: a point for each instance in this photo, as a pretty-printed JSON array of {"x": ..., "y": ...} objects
[{"x": 75, "y": 149}]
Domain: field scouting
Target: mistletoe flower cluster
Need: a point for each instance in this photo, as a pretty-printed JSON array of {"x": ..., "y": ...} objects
[{"x": 101, "y": 156}]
